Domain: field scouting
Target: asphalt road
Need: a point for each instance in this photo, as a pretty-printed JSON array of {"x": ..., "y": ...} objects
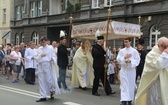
[{"x": 23, "y": 94}]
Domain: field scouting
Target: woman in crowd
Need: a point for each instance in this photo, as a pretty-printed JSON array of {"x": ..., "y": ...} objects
[
  {"x": 7, "y": 65},
  {"x": 15, "y": 61}
]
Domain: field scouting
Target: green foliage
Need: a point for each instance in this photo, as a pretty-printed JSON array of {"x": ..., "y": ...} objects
[
  {"x": 70, "y": 7},
  {"x": 77, "y": 6}
]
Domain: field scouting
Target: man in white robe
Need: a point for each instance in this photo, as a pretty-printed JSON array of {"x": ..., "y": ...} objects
[
  {"x": 47, "y": 78},
  {"x": 82, "y": 71},
  {"x": 128, "y": 58},
  {"x": 30, "y": 63},
  {"x": 153, "y": 85}
]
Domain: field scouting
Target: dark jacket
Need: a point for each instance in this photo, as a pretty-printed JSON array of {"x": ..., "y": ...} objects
[
  {"x": 142, "y": 61},
  {"x": 1, "y": 56},
  {"x": 98, "y": 54},
  {"x": 62, "y": 56}
]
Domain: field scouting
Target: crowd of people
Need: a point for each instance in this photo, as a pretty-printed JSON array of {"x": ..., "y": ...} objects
[{"x": 92, "y": 64}]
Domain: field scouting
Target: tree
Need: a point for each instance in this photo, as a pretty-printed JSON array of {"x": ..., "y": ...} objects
[{"x": 70, "y": 7}]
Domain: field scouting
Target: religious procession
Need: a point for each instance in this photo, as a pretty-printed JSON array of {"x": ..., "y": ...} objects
[{"x": 93, "y": 65}]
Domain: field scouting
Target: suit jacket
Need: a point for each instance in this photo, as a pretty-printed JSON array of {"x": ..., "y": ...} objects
[
  {"x": 98, "y": 54},
  {"x": 62, "y": 56}
]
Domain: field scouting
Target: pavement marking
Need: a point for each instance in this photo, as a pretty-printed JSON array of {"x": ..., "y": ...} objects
[
  {"x": 16, "y": 89},
  {"x": 20, "y": 91},
  {"x": 71, "y": 103}
]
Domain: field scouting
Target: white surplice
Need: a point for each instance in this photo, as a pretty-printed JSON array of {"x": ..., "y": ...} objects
[
  {"x": 46, "y": 74},
  {"x": 128, "y": 73},
  {"x": 29, "y": 62},
  {"x": 55, "y": 66}
]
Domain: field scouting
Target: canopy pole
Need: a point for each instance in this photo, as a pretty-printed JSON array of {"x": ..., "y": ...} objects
[
  {"x": 139, "y": 22},
  {"x": 70, "y": 29},
  {"x": 106, "y": 44}
]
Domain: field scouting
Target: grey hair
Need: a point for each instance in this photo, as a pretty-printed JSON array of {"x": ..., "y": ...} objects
[{"x": 162, "y": 40}]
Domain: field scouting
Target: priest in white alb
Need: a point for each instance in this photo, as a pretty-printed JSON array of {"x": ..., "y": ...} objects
[
  {"x": 128, "y": 58},
  {"x": 47, "y": 78},
  {"x": 153, "y": 85},
  {"x": 82, "y": 71}
]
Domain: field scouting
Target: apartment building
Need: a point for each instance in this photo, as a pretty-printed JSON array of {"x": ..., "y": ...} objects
[
  {"x": 35, "y": 18},
  {"x": 5, "y": 13}
]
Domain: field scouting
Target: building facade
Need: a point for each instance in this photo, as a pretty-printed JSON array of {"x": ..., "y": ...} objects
[
  {"x": 5, "y": 14},
  {"x": 35, "y": 18}
]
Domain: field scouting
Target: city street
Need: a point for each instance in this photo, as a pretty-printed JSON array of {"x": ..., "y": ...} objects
[{"x": 23, "y": 94}]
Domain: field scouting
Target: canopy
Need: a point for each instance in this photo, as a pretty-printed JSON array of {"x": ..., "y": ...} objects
[{"x": 116, "y": 30}]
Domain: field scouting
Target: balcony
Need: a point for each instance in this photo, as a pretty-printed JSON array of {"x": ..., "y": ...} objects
[{"x": 45, "y": 19}]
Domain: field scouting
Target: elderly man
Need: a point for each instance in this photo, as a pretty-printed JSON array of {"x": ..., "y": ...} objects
[
  {"x": 98, "y": 54},
  {"x": 22, "y": 51},
  {"x": 153, "y": 85}
]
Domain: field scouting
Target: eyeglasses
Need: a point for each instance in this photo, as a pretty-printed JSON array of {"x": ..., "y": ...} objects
[{"x": 164, "y": 46}]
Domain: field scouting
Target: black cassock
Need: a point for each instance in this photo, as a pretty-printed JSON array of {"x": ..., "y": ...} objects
[{"x": 140, "y": 67}]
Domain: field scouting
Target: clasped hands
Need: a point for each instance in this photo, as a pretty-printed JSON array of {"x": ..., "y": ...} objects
[
  {"x": 43, "y": 55},
  {"x": 166, "y": 50},
  {"x": 127, "y": 58}
]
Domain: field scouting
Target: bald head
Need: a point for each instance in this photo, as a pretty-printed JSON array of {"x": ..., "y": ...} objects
[
  {"x": 162, "y": 40},
  {"x": 162, "y": 43}
]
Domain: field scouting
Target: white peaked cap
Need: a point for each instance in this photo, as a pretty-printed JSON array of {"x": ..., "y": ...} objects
[
  {"x": 97, "y": 33},
  {"x": 62, "y": 34}
]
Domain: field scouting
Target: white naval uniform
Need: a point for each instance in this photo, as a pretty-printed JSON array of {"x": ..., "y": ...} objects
[
  {"x": 46, "y": 75},
  {"x": 128, "y": 73}
]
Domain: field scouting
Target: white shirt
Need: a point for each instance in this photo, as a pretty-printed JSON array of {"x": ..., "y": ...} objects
[
  {"x": 111, "y": 68},
  {"x": 15, "y": 55}
]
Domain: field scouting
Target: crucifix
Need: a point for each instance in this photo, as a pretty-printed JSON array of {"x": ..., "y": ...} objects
[{"x": 156, "y": 33}]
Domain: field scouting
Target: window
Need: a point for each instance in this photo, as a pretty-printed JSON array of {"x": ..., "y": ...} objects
[
  {"x": 35, "y": 38},
  {"x": 4, "y": 15},
  {"x": 23, "y": 39},
  {"x": 108, "y": 2},
  {"x": 18, "y": 13},
  {"x": 4, "y": 2},
  {"x": 95, "y": 3},
  {"x": 17, "y": 40},
  {"x": 154, "y": 32},
  {"x": 23, "y": 10},
  {"x": 32, "y": 9},
  {"x": 39, "y": 8},
  {"x": 138, "y": 1},
  {"x": 63, "y": 5}
]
